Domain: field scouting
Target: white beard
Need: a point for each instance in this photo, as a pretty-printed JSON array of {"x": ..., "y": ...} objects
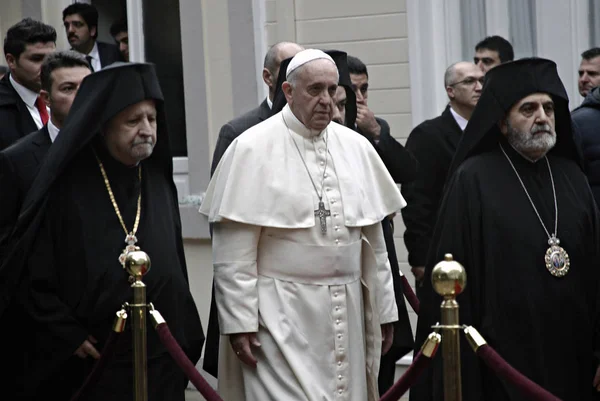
[{"x": 532, "y": 145}]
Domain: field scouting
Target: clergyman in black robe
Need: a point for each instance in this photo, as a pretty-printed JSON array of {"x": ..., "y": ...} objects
[
  {"x": 70, "y": 239},
  {"x": 545, "y": 325}
]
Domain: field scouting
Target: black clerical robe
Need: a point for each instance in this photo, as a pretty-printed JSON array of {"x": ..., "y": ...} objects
[
  {"x": 544, "y": 326},
  {"x": 75, "y": 283}
]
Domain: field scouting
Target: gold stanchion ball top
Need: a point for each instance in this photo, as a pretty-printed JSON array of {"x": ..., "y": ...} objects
[
  {"x": 137, "y": 263},
  {"x": 448, "y": 277}
]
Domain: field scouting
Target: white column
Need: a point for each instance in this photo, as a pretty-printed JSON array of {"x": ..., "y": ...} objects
[
  {"x": 135, "y": 27},
  {"x": 497, "y": 20},
  {"x": 434, "y": 42},
  {"x": 260, "y": 44},
  {"x": 52, "y": 15},
  {"x": 562, "y": 34},
  {"x": 10, "y": 15}
]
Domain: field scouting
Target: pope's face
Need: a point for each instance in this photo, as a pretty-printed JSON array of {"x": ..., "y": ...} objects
[
  {"x": 530, "y": 126},
  {"x": 130, "y": 136},
  {"x": 312, "y": 96}
]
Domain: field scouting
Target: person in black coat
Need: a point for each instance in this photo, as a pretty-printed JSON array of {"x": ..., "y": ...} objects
[
  {"x": 400, "y": 163},
  {"x": 585, "y": 124},
  {"x": 433, "y": 143},
  {"x": 25, "y": 46},
  {"x": 81, "y": 26},
  {"x": 61, "y": 75}
]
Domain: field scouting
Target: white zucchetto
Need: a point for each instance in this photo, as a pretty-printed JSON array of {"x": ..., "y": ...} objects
[{"x": 306, "y": 56}]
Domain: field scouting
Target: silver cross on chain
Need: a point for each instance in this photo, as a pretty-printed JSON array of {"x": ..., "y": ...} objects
[{"x": 322, "y": 214}]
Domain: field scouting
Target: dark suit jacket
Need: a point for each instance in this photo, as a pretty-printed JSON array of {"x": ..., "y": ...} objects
[
  {"x": 19, "y": 165},
  {"x": 433, "y": 143},
  {"x": 235, "y": 127},
  {"x": 108, "y": 53},
  {"x": 15, "y": 120},
  {"x": 401, "y": 165}
]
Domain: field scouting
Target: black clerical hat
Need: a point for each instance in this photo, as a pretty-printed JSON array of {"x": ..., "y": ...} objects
[
  {"x": 504, "y": 86},
  {"x": 341, "y": 61}
]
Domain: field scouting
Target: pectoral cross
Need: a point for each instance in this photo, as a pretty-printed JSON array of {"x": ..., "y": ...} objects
[{"x": 322, "y": 214}]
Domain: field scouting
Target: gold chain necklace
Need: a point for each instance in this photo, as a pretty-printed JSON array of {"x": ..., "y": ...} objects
[{"x": 130, "y": 238}]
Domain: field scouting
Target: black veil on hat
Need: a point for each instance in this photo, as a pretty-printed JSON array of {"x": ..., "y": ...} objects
[
  {"x": 504, "y": 86},
  {"x": 101, "y": 96},
  {"x": 341, "y": 61}
]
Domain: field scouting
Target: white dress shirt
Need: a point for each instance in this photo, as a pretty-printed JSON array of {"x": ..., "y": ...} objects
[
  {"x": 29, "y": 97},
  {"x": 460, "y": 120},
  {"x": 95, "y": 55},
  {"x": 270, "y": 103},
  {"x": 52, "y": 130}
]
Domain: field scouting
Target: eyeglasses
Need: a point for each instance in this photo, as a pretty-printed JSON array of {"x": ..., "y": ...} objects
[{"x": 470, "y": 81}]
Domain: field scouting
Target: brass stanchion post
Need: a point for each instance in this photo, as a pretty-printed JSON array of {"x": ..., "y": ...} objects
[
  {"x": 449, "y": 279},
  {"x": 137, "y": 264}
]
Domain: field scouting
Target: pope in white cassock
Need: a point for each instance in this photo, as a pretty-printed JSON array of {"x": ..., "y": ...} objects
[{"x": 302, "y": 282}]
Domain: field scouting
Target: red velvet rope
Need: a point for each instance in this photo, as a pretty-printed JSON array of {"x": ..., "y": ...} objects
[
  {"x": 410, "y": 295},
  {"x": 91, "y": 380},
  {"x": 185, "y": 364},
  {"x": 530, "y": 390},
  {"x": 408, "y": 379}
]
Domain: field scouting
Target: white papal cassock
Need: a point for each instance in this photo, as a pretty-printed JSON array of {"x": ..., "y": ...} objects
[{"x": 316, "y": 300}]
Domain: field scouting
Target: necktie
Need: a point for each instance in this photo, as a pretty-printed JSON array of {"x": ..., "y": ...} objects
[
  {"x": 41, "y": 106},
  {"x": 89, "y": 60}
]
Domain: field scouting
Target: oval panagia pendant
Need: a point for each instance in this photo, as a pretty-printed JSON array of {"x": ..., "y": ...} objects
[{"x": 557, "y": 259}]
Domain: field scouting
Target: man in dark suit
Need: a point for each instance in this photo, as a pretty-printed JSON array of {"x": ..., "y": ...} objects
[
  {"x": 401, "y": 165},
  {"x": 61, "y": 75},
  {"x": 119, "y": 32},
  {"x": 278, "y": 52},
  {"x": 433, "y": 143},
  {"x": 81, "y": 25},
  {"x": 21, "y": 110}
]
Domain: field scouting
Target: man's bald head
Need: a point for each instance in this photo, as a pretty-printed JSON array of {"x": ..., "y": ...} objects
[
  {"x": 463, "y": 82},
  {"x": 276, "y": 54}
]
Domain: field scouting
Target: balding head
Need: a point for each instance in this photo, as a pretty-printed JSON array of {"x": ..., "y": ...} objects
[
  {"x": 463, "y": 82},
  {"x": 276, "y": 54}
]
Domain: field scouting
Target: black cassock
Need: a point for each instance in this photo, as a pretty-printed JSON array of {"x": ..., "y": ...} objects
[
  {"x": 77, "y": 283},
  {"x": 67, "y": 243},
  {"x": 542, "y": 325}
]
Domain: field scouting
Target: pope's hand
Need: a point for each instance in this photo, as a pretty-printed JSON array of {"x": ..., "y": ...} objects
[
  {"x": 387, "y": 336},
  {"x": 87, "y": 349},
  {"x": 242, "y": 344}
]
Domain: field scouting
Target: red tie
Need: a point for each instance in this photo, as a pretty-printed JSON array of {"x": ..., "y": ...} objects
[{"x": 41, "y": 106}]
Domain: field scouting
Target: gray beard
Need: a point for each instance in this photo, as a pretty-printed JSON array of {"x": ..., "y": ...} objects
[{"x": 532, "y": 147}]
